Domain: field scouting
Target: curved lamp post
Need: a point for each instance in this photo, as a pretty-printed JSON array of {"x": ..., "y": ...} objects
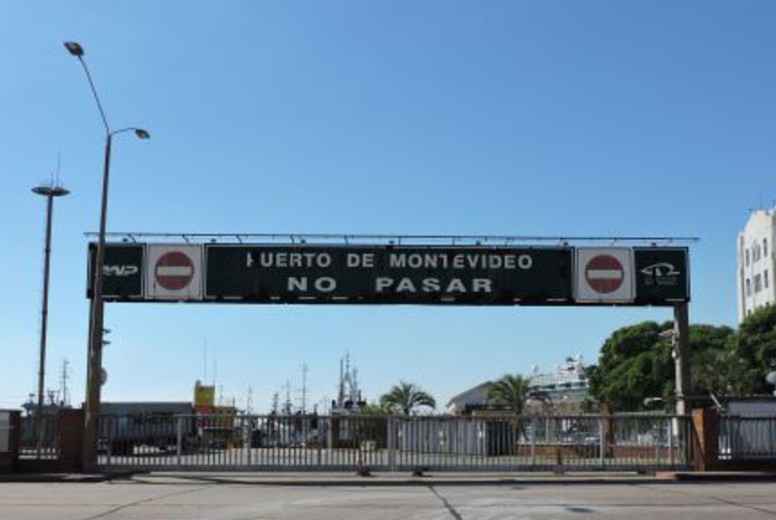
[{"x": 94, "y": 362}]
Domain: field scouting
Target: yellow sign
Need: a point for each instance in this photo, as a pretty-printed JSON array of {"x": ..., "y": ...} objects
[{"x": 204, "y": 396}]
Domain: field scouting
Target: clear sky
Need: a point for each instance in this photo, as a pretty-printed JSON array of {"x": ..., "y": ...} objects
[{"x": 445, "y": 117}]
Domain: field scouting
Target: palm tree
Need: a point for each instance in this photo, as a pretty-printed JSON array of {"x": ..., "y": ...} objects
[
  {"x": 513, "y": 392},
  {"x": 405, "y": 397}
]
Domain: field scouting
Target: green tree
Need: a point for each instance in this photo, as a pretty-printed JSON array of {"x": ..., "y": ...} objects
[
  {"x": 513, "y": 393},
  {"x": 375, "y": 408},
  {"x": 755, "y": 347},
  {"x": 636, "y": 363},
  {"x": 405, "y": 398},
  {"x": 723, "y": 372}
]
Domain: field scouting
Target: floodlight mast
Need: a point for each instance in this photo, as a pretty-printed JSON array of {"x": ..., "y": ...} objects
[{"x": 50, "y": 191}]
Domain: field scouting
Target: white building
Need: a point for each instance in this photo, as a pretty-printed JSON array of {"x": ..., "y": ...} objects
[{"x": 756, "y": 262}]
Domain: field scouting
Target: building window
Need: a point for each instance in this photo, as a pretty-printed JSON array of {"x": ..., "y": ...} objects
[
  {"x": 765, "y": 278},
  {"x": 748, "y": 288},
  {"x": 746, "y": 252},
  {"x": 758, "y": 283},
  {"x": 765, "y": 247}
]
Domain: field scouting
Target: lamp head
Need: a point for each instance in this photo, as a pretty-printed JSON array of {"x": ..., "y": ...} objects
[
  {"x": 142, "y": 134},
  {"x": 74, "y": 48},
  {"x": 667, "y": 334}
]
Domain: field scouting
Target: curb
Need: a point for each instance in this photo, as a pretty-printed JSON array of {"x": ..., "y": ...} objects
[
  {"x": 386, "y": 480},
  {"x": 749, "y": 476},
  {"x": 48, "y": 478}
]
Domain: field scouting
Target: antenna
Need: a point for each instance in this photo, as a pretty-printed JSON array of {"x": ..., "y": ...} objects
[
  {"x": 304, "y": 388},
  {"x": 59, "y": 167},
  {"x": 249, "y": 401},
  {"x": 287, "y": 404},
  {"x": 64, "y": 377}
]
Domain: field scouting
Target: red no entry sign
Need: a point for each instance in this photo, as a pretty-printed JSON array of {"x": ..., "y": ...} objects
[
  {"x": 604, "y": 273},
  {"x": 174, "y": 271}
]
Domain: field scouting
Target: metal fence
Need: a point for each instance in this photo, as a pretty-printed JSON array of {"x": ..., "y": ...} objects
[
  {"x": 747, "y": 438},
  {"x": 394, "y": 443},
  {"x": 39, "y": 437}
]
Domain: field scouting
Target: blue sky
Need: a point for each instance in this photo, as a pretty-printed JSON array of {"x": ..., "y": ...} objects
[{"x": 443, "y": 117}]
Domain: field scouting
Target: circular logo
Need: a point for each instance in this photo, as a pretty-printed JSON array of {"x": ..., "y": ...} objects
[
  {"x": 174, "y": 271},
  {"x": 604, "y": 274}
]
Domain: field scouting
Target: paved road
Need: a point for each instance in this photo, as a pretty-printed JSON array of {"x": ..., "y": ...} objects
[{"x": 187, "y": 501}]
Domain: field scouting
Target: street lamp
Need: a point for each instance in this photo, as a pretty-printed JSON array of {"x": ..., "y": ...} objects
[
  {"x": 49, "y": 191},
  {"x": 770, "y": 378},
  {"x": 678, "y": 340},
  {"x": 94, "y": 362}
]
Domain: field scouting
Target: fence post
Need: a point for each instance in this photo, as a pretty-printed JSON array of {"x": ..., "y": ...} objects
[
  {"x": 391, "y": 443},
  {"x": 670, "y": 438},
  {"x": 533, "y": 440},
  {"x": 321, "y": 429},
  {"x": 608, "y": 431},
  {"x": 10, "y": 440},
  {"x": 247, "y": 428},
  {"x": 601, "y": 442},
  {"x": 706, "y": 425},
  {"x": 69, "y": 424},
  {"x": 179, "y": 441}
]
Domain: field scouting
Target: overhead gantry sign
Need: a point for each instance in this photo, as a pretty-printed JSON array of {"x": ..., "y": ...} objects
[{"x": 394, "y": 274}]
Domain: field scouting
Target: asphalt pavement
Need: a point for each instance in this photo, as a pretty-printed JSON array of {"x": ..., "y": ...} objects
[{"x": 169, "y": 497}]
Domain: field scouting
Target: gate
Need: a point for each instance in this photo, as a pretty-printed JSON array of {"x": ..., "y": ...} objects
[
  {"x": 747, "y": 438},
  {"x": 396, "y": 443}
]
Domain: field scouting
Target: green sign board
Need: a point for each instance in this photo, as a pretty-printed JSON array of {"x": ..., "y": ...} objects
[
  {"x": 662, "y": 275},
  {"x": 388, "y": 274},
  {"x": 122, "y": 271}
]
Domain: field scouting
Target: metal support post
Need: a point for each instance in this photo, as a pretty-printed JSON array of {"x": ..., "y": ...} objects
[
  {"x": 94, "y": 369},
  {"x": 682, "y": 356}
]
